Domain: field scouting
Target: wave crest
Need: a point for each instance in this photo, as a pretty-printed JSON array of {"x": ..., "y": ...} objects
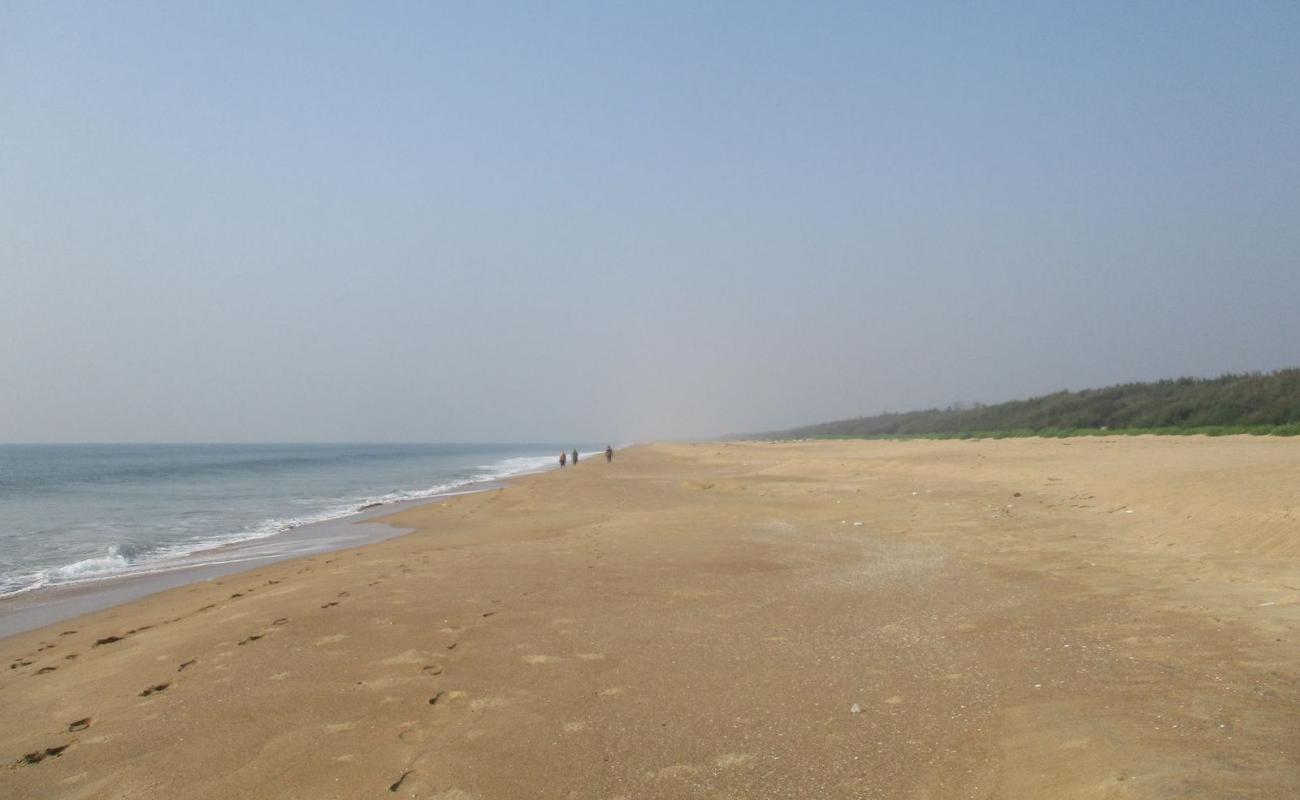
[{"x": 127, "y": 559}]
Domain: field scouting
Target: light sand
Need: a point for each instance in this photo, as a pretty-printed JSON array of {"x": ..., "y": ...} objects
[{"x": 1084, "y": 618}]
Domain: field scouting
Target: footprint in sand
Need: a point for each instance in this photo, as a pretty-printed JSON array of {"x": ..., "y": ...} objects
[
  {"x": 79, "y": 725},
  {"x": 155, "y": 689},
  {"x": 338, "y": 637},
  {"x": 412, "y": 784},
  {"x": 37, "y": 756}
]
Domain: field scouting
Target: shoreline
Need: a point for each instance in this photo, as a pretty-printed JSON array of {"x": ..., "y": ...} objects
[
  {"x": 47, "y": 605},
  {"x": 73, "y": 520},
  {"x": 1006, "y": 619}
]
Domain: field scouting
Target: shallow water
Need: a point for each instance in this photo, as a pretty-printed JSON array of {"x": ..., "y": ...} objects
[{"x": 76, "y": 513}]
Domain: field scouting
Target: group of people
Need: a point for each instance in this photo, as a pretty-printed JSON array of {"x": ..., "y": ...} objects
[{"x": 564, "y": 457}]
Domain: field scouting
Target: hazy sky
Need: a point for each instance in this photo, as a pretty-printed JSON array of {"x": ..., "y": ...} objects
[{"x": 382, "y": 221}]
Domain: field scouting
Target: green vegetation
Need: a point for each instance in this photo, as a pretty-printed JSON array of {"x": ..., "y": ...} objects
[{"x": 1256, "y": 403}]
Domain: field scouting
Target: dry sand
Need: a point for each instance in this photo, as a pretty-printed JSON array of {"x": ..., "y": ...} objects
[{"x": 1083, "y": 618}]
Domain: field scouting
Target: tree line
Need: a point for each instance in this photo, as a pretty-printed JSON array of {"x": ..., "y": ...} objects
[{"x": 1258, "y": 403}]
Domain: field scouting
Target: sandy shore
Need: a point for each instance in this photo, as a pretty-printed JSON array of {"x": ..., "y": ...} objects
[{"x": 1086, "y": 618}]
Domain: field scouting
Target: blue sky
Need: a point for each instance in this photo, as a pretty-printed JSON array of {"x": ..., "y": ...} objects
[{"x": 298, "y": 221}]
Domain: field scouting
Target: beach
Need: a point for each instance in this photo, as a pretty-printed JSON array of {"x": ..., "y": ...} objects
[{"x": 1108, "y": 617}]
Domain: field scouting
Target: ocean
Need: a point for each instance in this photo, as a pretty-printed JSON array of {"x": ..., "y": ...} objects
[{"x": 79, "y": 513}]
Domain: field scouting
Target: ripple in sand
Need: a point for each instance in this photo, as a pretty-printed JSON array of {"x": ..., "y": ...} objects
[
  {"x": 406, "y": 657},
  {"x": 484, "y": 703},
  {"x": 678, "y": 771}
]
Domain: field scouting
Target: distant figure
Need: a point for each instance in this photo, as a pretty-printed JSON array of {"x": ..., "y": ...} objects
[
  {"x": 575, "y": 456},
  {"x": 609, "y": 454},
  {"x": 563, "y": 457}
]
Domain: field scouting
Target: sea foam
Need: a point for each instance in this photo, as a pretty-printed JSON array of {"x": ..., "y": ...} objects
[{"x": 184, "y": 537}]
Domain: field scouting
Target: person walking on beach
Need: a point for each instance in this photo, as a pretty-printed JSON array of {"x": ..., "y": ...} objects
[
  {"x": 563, "y": 457},
  {"x": 609, "y": 454},
  {"x": 575, "y": 456}
]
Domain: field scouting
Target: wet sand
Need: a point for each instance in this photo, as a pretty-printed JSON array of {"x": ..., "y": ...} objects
[
  {"x": 1080, "y": 618},
  {"x": 49, "y": 605}
]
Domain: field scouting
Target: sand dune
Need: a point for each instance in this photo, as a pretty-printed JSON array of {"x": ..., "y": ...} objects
[{"x": 1086, "y": 618}]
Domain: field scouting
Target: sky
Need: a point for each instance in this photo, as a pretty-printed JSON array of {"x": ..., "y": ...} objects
[{"x": 538, "y": 222}]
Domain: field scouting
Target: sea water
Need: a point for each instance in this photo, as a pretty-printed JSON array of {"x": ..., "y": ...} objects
[{"x": 78, "y": 513}]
